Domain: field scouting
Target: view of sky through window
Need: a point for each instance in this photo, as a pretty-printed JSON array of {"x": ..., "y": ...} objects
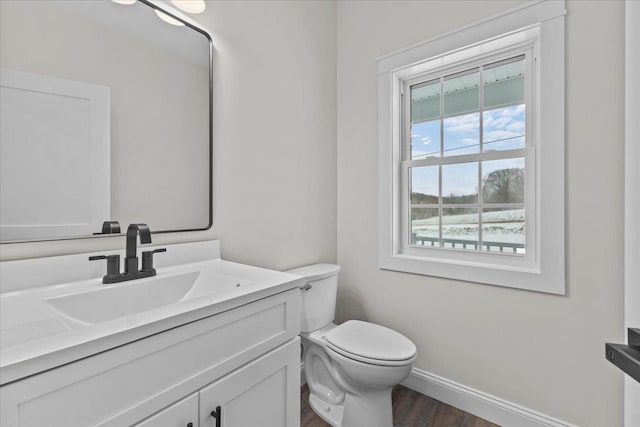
[
  {"x": 502, "y": 129},
  {"x": 471, "y": 201}
]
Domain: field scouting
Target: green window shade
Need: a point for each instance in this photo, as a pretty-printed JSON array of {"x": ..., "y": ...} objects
[
  {"x": 425, "y": 101},
  {"x": 425, "y": 109},
  {"x": 461, "y": 92},
  {"x": 504, "y": 82}
]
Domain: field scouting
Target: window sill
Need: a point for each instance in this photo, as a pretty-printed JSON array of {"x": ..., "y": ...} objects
[{"x": 527, "y": 275}]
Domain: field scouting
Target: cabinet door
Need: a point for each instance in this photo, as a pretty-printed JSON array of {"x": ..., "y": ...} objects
[
  {"x": 183, "y": 413},
  {"x": 263, "y": 393}
]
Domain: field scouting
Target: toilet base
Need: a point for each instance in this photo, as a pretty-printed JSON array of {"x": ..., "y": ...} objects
[
  {"x": 331, "y": 414},
  {"x": 370, "y": 409}
]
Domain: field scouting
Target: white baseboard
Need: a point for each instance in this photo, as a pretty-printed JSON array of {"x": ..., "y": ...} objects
[{"x": 480, "y": 404}]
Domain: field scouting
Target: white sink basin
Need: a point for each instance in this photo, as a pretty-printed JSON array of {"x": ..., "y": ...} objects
[
  {"x": 56, "y": 310},
  {"x": 122, "y": 299}
]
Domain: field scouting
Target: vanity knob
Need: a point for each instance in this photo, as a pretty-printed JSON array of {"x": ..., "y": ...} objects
[{"x": 189, "y": 424}]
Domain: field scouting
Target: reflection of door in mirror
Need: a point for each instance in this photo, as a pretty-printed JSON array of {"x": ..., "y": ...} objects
[
  {"x": 155, "y": 128},
  {"x": 55, "y": 144}
]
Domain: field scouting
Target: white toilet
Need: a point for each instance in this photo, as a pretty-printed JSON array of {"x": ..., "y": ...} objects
[{"x": 350, "y": 368}]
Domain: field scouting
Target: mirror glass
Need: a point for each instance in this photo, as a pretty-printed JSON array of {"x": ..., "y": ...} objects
[{"x": 105, "y": 116}]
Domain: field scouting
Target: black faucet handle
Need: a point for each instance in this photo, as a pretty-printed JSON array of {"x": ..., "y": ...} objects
[
  {"x": 147, "y": 259},
  {"x": 113, "y": 265}
]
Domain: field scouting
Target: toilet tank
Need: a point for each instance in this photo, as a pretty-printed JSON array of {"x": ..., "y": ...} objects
[{"x": 318, "y": 306}]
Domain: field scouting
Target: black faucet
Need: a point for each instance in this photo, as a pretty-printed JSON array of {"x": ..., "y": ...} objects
[{"x": 131, "y": 259}]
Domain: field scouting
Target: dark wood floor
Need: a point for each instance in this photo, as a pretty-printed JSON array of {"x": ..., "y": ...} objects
[{"x": 410, "y": 409}]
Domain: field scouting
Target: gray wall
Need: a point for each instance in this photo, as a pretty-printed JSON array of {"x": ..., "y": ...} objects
[
  {"x": 275, "y": 131},
  {"x": 540, "y": 351}
]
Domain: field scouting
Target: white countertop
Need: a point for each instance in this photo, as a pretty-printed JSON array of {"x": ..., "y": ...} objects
[{"x": 35, "y": 338}]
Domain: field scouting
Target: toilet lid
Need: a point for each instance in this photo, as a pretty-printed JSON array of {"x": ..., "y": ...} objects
[{"x": 370, "y": 343}]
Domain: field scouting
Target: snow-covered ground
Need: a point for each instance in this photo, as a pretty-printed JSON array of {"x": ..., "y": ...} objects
[{"x": 500, "y": 226}]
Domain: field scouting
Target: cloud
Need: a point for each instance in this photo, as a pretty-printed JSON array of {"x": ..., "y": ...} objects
[
  {"x": 516, "y": 127},
  {"x": 504, "y": 123},
  {"x": 469, "y": 123},
  {"x": 496, "y": 121},
  {"x": 519, "y": 109}
]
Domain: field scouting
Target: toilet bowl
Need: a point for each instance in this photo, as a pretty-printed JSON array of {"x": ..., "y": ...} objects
[{"x": 350, "y": 368}]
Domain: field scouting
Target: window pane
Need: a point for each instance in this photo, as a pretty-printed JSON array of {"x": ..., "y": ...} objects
[
  {"x": 503, "y": 128},
  {"x": 425, "y": 101},
  {"x": 460, "y": 228},
  {"x": 503, "y": 82},
  {"x": 462, "y": 134},
  {"x": 503, "y": 181},
  {"x": 461, "y": 93},
  {"x": 424, "y": 185},
  {"x": 425, "y": 140},
  {"x": 425, "y": 227},
  {"x": 503, "y": 230},
  {"x": 460, "y": 183}
]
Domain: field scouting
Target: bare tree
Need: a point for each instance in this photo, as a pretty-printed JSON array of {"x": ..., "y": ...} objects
[{"x": 503, "y": 186}]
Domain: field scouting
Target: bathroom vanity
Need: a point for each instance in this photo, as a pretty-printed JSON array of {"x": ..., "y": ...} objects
[{"x": 206, "y": 342}]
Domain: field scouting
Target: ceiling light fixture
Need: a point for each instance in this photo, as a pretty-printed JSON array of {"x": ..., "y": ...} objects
[
  {"x": 127, "y": 2},
  {"x": 168, "y": 19},
  {"x": 190, "y": 6}
]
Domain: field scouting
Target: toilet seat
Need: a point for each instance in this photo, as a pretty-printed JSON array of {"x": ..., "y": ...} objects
[{"x": 370, "y": 343}]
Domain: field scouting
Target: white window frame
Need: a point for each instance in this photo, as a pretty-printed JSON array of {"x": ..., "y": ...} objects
[
  {"x": 528, "y": 152},
  {"x": 536, "y": 29}
]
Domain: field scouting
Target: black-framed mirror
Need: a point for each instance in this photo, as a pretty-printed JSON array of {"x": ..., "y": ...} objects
[{"x": 105, "y": 116}]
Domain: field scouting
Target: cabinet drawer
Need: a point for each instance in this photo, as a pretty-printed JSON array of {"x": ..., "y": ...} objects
[{"x": 127, "y": 384}]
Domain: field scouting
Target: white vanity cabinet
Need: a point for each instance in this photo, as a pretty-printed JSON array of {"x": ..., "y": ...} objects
[
  {"x": 245, "y": 360},
  {"x": 181, "y": 414}
]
